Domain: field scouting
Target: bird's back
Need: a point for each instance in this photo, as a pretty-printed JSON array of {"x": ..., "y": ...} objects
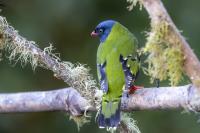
[{"x": 119, "y": 41}]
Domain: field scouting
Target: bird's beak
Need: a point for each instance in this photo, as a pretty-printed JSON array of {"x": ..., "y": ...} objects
[{"x": 94, "y": 34}]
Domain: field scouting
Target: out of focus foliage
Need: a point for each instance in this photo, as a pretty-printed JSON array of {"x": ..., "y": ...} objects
[{"x": 67, "y": 25}]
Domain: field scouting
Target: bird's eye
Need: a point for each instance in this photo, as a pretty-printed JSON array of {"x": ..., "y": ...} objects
[{"x": 100, "y": 30}]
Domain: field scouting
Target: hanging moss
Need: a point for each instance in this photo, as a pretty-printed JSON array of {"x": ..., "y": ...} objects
[
  {"x": 79, "y": 120},
  {"x": 133, "y": 3},
  {"x": 165, "y": 60}
]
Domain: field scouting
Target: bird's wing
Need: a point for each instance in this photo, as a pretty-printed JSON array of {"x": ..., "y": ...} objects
[
  {"x": 102, "y": 77},
  {"x": 130, "y": 65}
]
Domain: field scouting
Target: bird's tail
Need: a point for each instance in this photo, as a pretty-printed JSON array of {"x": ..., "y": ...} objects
[{"x": 109, "y": 116}]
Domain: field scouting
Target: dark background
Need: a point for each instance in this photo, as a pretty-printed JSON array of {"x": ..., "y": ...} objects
[{"x": 67, "y": 25}]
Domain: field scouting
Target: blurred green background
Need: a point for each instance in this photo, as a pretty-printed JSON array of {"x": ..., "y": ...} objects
[{"x": 67, "y": 25}]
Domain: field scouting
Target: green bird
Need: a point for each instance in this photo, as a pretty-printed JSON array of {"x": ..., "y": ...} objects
[{"x": 117, "y": 68}]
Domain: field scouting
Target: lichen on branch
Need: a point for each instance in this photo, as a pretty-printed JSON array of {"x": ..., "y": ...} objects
[
  {"x": 164, "y": 51},
  {"x": 128, "y": 124},
  {"x": 165, "y": 60},
  {"x": 24, "y": 51},
  {"x": 133, "y": 3},
  {"x": 75, "y": 75},
  {"x": 18, "y": 47}
]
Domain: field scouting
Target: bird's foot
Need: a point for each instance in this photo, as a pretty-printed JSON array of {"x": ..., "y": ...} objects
[
  {"x": 157, "y": 83},
  {"x": 133, "y": 88}
]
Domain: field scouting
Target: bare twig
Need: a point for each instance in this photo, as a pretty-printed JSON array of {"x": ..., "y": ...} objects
[{"x": 70, "y": 100}]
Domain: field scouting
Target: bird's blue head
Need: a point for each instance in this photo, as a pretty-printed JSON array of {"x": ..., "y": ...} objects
[{"x": 103, "y": 29}]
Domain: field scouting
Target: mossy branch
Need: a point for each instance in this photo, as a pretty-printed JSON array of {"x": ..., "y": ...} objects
[
  {"x": 170, "y": 56},
  {"x": 191, "y": 64},
  {"x": 163, "y": 36},
  {"x": 77, "y": 76},
  {"x": 68, "y": 99},
  {"x": 20, "y": 49}
]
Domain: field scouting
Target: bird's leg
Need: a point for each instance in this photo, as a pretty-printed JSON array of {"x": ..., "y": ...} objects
[{"x": 157, "y": 83}]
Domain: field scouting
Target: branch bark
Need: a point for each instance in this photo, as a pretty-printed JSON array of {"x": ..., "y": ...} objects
[
  {"x": 181, "y": 97},
  {"x": 157, "y": 14},
  {"x": 57, "y": 100},
  {"x": 76, "y": 76},
  {"x": 144, "y": 99},
  {"x": 68, "y": 99}
]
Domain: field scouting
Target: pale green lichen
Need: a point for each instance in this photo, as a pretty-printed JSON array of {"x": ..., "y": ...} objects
[
  {"x": 50, "y": 51},
  {"x": 81, "y": 80},
  {"x": 79, "y": 120},
  {"x": 76, "y": 75},
  {"x": 3, "y": 23},
  {"x": 15, "y": 45},
  {"x": 23, "y": 54},
  {"x": 128, "y": 124},
  {"x": 98, "y": 98},
  {"x": 165, "y": 60},
  {"x": 174, "y": 64},
  {"x": 24, "y": 51},
  {"x": 134, "y": 3}
]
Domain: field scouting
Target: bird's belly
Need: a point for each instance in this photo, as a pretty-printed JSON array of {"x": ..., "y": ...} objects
[{"x": 115, "y": 76}]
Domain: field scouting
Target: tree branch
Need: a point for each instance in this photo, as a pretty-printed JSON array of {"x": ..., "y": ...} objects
[
  {"x": 158, "y": 14},
  {"x": 63, "y": 100},
  {"x": 76, "y": 102},
  {"x": 76, "y": 76},
  {"x": 163, "y": 98},
  {"x": 82, "y": 81},
  {"x": 68, "y": 99}
]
